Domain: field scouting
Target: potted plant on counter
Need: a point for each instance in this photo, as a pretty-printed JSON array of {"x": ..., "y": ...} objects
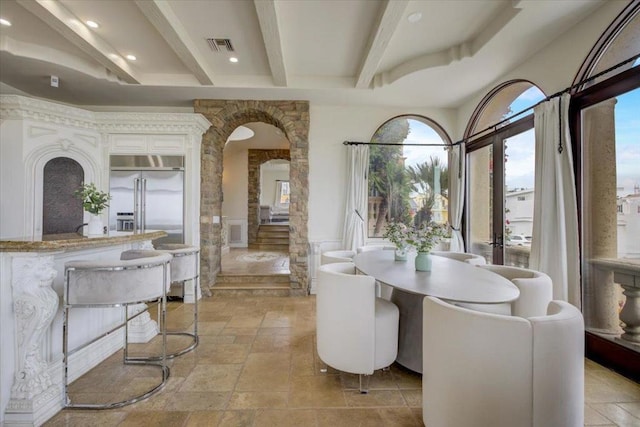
[{"x": 94, "y": 201}]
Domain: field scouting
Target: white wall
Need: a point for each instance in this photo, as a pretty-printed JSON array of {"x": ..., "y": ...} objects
[
  {"x": 268, "y": 187},
  {"x": 235, "y": 180},
  {"x": 329, "y": 127},
  {"x": 553, "y": 67}
]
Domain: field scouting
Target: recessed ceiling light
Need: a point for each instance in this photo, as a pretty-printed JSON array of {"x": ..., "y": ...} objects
[
  {"x": 233, "y": 59},
  {"x": 92, "y": 24},
  {"x": 131, "y": 57},
  {"x": 414, "y": 17},
  {"x": 5, "y": 22}
]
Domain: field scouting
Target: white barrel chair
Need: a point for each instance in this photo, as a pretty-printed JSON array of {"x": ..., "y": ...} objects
[
  {"x": 117, "y": 283},
  {"x": 467, "y": 257},
  {"x": 356, "y": 331},
  {"x": 184, "y": 267},
  {"x": 484, "y": 369},
  {"x": 536, "y": 289},
  {"x": 329, "y": 257},
  {"x": 382, "y": 290},
  {"x": 368, "y": 248}
]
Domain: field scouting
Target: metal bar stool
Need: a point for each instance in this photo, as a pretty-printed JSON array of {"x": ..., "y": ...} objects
[
  {"x": 184, "y": 267},
  {"x": 120, "y": 283}
]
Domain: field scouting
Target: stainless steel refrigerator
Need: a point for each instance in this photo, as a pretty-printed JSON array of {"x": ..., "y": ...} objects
[{"x": 147, "y": 193}]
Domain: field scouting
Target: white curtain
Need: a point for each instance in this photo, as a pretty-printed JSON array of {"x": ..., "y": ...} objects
[
  {"x": 456, "y": 198},
  {"x": 554, "y": 249},
  {"x": 355, "y": 225}
]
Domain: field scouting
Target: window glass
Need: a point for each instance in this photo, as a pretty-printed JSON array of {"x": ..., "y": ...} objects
[
  {"x": 501, "y": 165},
  {"x": 409, "y": 179}
]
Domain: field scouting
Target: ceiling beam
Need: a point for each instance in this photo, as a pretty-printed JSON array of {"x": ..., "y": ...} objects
[
  {"x": 160, "y": 14},
  {"x": 55, "y": 15},
  {"x": 388, "y": 20},
  {"x": 268, "y": 18}
]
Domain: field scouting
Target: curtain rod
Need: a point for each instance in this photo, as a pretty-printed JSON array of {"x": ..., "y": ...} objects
[{"x": 506, "y": 119}]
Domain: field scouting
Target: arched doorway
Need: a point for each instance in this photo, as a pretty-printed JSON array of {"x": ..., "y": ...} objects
[{"x": 292, "y": 118}]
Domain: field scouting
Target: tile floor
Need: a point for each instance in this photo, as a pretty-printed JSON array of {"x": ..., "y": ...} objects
[
  {"x": 253, "y": 261},
  {"x": 256, "y": 365}
]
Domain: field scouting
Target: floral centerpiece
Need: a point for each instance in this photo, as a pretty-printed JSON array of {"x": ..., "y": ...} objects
[
  {"x": 426, "y": 236},
  {"x": 422, "y": 238},
  {"x": 396, "y": 233},
  {"x": 94, "y": 201}
]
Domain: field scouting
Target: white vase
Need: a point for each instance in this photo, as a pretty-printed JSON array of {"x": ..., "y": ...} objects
[{"x": 95, "y": 227}]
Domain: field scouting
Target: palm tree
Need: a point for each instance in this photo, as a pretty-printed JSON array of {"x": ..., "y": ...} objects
[{"x": 422, "y": 177}]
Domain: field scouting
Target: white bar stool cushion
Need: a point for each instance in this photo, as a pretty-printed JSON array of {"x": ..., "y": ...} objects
[{"x": 119, "y": 283}]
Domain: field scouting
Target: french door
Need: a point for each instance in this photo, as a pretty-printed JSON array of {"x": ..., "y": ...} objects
[{"x": 499, "y": 208}]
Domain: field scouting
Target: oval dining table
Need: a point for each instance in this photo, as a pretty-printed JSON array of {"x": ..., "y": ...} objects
[{"x": 451, "y": 280}]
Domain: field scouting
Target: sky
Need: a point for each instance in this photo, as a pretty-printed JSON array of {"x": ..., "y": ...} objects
[
  {"x": 628, "y": 141},
  {"x": 519, "y": 168}
]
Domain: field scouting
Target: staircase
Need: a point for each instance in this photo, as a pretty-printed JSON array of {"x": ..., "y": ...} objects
[
  {"x": 272, "y": 237},
  {"x": 251, "y": 285}
]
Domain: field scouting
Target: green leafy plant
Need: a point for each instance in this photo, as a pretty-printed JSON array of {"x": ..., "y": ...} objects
[
  {"x": 94, "y": 201},
  {"x": 426, "y": 236}
]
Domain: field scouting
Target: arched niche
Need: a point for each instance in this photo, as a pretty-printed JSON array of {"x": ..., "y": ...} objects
[{"x": 61, "y": 209}]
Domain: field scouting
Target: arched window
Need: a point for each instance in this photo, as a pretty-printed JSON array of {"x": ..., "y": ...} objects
[
  {"x": 61, "y": 209},
  {"x": 606, "y": 132},
  {"x": 500, "y": 174},
  {"x": 408, "y": 173}
]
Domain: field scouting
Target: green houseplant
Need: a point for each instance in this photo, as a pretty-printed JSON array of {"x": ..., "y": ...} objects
[{"x": 94, "y": 201}]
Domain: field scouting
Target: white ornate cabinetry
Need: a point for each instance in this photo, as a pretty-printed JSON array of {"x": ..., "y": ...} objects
[{"x": 32, "y": 132}]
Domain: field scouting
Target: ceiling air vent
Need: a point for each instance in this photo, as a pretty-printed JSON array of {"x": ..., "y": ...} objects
[{"x": 220, "y": 45}]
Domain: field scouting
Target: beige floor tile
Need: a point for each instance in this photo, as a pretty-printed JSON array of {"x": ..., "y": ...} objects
[
  {"x": 374, "y": 398},
  {"x": 400, "y": 417},
  {"x": 212, "y": 378},
  {"x": 316, "y": 391},
  {"x": 155, "y": 418},
  {"x": 632, "y": 407},
  {"x": 257, "y": 365},
  {"x": 85, "y": 418},
  {"x": 594, "y": 418},
  {"x": 265, "y": 372},
  {"x": 243, "y": 418},
  {"x": 617, "y": 414},
  {"x": 350, "y": 417},
  {"x": 198, "y": 401},
  {"x": 285, "y": 418},
  {"x": 413, "y": 397},
  {"x": 258, "y": 399},
  {"x": 204, "y": 419}
]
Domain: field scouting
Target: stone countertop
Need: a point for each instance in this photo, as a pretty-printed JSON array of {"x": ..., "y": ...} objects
[{"x": 72, "y": 241}]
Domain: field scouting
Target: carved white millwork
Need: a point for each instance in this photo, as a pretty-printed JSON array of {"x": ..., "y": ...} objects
[
  {"x": 35, "y": 304},
  {"x": 141, "y": 329},
  {"x": 21, "y": 107}
]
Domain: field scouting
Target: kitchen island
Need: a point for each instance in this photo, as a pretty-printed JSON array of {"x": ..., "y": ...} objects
[{"x": 31, "y": 291}]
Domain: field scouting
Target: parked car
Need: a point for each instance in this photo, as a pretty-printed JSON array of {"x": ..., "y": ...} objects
[{"x": 519, "y": 240}]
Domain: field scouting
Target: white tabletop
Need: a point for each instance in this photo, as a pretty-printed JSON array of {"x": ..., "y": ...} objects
[{"x": 448, "y": 279}]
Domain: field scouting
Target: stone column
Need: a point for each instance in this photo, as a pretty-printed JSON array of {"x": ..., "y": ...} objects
[
  {"x": 600, "y": 294},
  {"x": 34, "y": 396}
]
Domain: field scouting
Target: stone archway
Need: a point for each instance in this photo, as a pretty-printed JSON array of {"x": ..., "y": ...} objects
[{"x": 292, "y": 117}]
